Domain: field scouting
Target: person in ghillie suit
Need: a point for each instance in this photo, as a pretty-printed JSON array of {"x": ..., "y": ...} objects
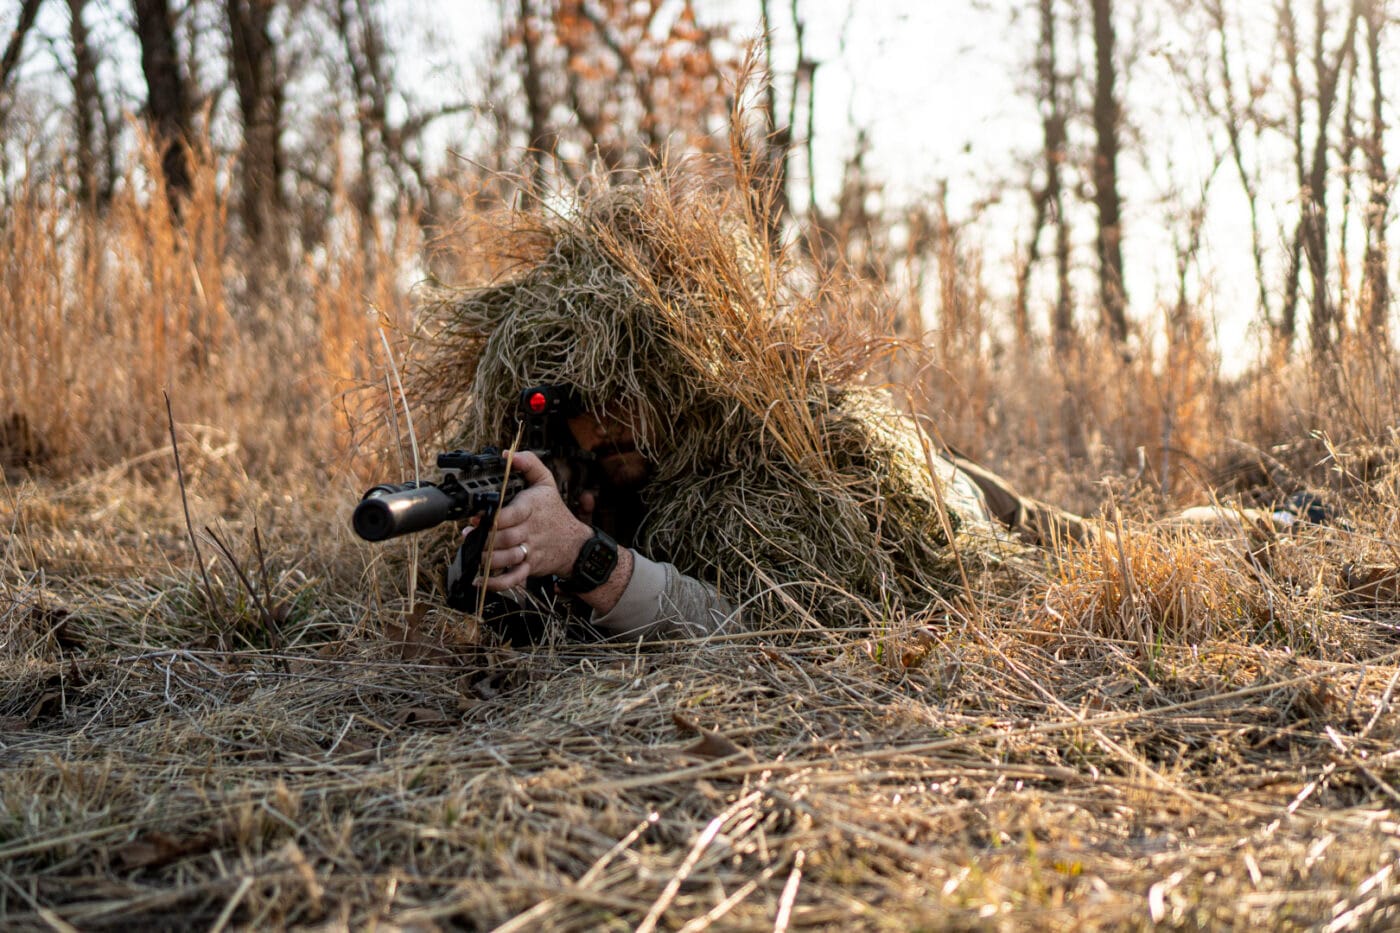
[{"x": 750, "y": 476}]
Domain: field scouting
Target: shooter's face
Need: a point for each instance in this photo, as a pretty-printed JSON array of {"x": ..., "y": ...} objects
[{"x": 609, "y": 437}]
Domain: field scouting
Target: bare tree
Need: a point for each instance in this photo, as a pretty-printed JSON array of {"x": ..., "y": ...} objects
[
  {"x": 1328, "y": 68},
  {"x": 389, "y": 160},
  {"x": 781, "y": 128},
  {"x": 14, "y": 50},
  {"x": 1376, "y": 268},
  {"x": 1107, "y": 125},
  {"x": 609, "y": 84},
  {"x": 777, "y": 132},
  {"x": 543, "y": 141},
  {"x": 1291, "y": 47},
  {"x": 253, "y": 65},
  {"x": 95, "y": 159},
  {"x": 1052, "y": 93},
  {"x": 1048, "y": 199},
  {"x": 1237, "y": 117},
  {"x": 167, "y": 98},
  {"x": 359, "y": 35},
  {"x": 1347, "y": 148},
  {"x": 1311, "y": 167}
]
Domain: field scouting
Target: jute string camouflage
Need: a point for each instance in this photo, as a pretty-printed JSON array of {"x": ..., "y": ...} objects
[{"x": 779, "y": 476}]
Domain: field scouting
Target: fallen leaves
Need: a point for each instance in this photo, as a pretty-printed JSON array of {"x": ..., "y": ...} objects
[{"x": 711, "y": 744}]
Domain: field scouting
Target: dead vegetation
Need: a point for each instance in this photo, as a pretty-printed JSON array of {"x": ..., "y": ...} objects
[
  {"x": 261, "y": 724},
  {"x": 1081, "y": 756}
]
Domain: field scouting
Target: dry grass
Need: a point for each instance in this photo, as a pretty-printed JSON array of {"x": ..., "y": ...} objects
[
  {"x": 103, "y": 314},
  {"x": 1011, "y": 764},
  {"x": 1158, "y": 729}
]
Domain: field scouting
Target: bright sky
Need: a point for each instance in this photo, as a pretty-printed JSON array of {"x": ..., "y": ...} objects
[
  {"x": 926, "y": 78},
  {"x": 938, "y": 87}
]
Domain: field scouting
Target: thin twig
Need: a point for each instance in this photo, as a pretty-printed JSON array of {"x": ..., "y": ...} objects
[
  {"x": 189, "y": 525},
  {"x": 274, "y": 637}
]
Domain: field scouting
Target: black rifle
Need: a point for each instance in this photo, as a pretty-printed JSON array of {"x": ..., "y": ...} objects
[{"x": 476, "y": 484}]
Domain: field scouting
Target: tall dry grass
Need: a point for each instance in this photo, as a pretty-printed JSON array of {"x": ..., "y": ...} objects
[
  {"x": 102, "y": 313},
  {"x": 1158, "y": 423}
]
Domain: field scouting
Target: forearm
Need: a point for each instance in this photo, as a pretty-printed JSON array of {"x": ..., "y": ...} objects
[
  {"x": 537, "y": 535},
  {"x": 657, "y": 601},
  {"x": 603, "y": 599}
]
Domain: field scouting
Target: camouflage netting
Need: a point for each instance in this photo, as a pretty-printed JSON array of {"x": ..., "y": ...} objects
[{"x": 780, "y": 478}]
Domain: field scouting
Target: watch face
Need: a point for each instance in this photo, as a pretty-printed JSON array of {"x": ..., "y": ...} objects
[{"x": 595, "y": 563}]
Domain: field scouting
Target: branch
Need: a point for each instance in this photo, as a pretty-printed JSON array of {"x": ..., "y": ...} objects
[{"x": 28, "y": 10}]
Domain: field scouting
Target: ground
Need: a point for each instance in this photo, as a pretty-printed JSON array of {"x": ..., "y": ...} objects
[{"x": 1154, "y": 730}]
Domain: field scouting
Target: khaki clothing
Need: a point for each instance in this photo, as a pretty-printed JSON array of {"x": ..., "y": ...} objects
[
  {"x": 660, "y": 602},
  {"x": 1031, "y": 520}
]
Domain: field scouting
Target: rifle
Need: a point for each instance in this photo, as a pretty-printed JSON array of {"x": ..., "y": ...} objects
[{"x": 476, "y": 483}]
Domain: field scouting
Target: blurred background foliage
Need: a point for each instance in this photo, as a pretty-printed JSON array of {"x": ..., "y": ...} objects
[{"x": 231, "y": 199}]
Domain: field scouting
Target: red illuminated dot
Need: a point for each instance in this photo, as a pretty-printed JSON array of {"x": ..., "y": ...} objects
[{"x": 538, "y": 403}]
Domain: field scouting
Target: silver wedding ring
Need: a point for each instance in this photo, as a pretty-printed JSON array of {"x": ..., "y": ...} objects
[{"x": 524, "y": 553}]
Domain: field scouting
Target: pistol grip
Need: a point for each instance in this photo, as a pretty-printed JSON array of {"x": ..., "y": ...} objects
[{"x": 462, "y": 593}]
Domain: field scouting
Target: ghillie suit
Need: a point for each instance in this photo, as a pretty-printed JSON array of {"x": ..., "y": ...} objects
[{"x": 798, "y": 492}]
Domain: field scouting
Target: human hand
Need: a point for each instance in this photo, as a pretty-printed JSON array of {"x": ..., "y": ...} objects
[{"x": 536, "y": 534}]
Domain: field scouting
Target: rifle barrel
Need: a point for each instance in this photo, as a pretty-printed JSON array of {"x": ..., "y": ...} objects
[{"x": 390, "y": 511}]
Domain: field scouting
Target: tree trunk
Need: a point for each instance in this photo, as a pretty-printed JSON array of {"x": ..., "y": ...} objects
[
  {"x": 14, "y": 48},
  {"x": 777, "y": 139},
  {"x": 1112, "y": 298},
  {"x": 167, "y": 99},
  {"x": 1323, "y": 322},
  {"x": 1375, "y": 281},
  {"x": 1048, "y": 201},
  {"x": 543, "y": 141},
  {"x": 89, "y": 114},
  {"x": 1288, "y": 314},
  {"x": 9, "y": 61},
  {"x": 253, "y": 64},
  {"x": 1234, "y": 118}
]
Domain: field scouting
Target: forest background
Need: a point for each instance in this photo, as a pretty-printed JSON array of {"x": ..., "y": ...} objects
[
  {"x": 1169, "y": 174},
  {"x": 1163, "y": 276}
]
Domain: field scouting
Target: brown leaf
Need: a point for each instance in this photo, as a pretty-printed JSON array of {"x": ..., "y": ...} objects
[
  {"x": 487, "y": 687},
  {"x": 413, "y": 641},
  {"x": 711, "y": 744},
  {"x": 1371, "y": 585},
  {"x": 714, "y": 745},
  {"x": 49, "y": 703},
  {"x": 156, "y": 848},
  {"x": 917, "y": 649},
  {"x": 406, "y": 627},
  {"x": 423, "y": 716}
]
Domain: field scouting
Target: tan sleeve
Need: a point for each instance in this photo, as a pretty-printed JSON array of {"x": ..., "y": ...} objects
[{"x": 660, "y": 602}]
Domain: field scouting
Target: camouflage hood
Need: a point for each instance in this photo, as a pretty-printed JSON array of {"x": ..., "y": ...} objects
[{"x": 778, "y": 476}]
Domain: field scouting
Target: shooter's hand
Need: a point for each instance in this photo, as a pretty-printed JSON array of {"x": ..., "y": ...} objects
[{"x": 536, "y": 534}]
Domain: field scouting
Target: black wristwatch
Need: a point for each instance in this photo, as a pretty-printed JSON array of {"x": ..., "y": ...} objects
[{"x": 594, "y": 564}]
